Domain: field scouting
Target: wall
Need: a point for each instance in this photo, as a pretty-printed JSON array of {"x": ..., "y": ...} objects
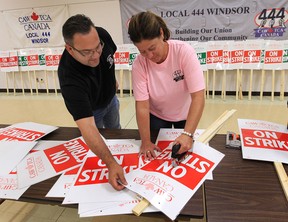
[{"x": 104, "y": 13}]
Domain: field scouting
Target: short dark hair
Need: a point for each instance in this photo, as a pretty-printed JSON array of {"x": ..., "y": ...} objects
[
  {"x": 147, "y": 26},
  {"x": 76, "y": 24}
]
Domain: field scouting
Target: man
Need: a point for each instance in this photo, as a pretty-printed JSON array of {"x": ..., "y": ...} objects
[{"x": 87, "y": 79}]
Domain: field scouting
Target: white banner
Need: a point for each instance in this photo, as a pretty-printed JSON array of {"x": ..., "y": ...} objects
[
  {"x": 217, "y": 20},
  {"x": 36, "y": 27}
]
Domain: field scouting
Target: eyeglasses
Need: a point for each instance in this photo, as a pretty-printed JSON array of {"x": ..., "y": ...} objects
[{"x": 90, "y": 53}]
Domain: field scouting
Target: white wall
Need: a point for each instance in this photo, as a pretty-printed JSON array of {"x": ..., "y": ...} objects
[{"x": 105, "y": 13}]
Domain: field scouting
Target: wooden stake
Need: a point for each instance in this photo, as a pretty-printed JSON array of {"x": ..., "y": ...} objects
[
  {"x": 282, "y": 177},
  {"x": 22, "y": 83},
  {"x": 240, "y": 85},
  {"x": 36, "y": 83},
  {"x": 205, "y": 137},
  {"x": 223, "y": 94},
  {"x": 30, "y": 82},
  {"x": 130, "y": 82},
  {"x": 250, "y": 84},
  {"x": 55, "y": 85},
  {"x": 14, "y": 83},
  {"x": 46, "y": 82},
  {"x": 273, "y": 85},
  {"x": 213, "y": 81},
  {"x": 207, "y": 84},
  {"x": 121, "y": 82},
  {"x": 262, "y": 83},
  {"x": 7, "y": 83},
  {"x": 282, "y": 84},
  {"x": 237, "y": 84}
]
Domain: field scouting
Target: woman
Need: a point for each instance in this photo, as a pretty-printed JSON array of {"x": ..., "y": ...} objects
[{"x": 168, "y": 82}]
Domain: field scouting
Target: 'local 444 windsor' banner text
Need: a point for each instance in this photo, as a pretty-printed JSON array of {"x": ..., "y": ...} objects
[
  {"x": 36, "y": 27},
  {"x": 219, "y": 20}
]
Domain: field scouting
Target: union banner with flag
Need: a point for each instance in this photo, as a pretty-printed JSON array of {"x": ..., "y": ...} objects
[{"x": 36, "y": 27}]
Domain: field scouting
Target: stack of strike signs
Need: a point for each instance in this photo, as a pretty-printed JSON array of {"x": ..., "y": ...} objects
[
  {"x": 164, "y": 185},
  {"x": 16, "y": 141},
  {"x": 262, "y": 140},
  {"x": 90, "y": 188},
  {"x": 84, "y": 177}
]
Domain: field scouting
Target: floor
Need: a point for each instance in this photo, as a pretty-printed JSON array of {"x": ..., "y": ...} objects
[{"x": 50, "y": 109}]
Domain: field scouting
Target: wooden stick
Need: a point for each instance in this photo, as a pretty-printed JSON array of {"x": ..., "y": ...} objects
[
  {"x": 140, "y": 207},
  {"x": 240, "y": 85},
  {"x": 282, "y": 177},
  {"x": 213, "y": 81},
  {"x": 273, "y": 85},
  {"x": 36, "y": 83},
  {"x": 22, "y": 83},
  {"x": 282, "y": 85},
  {"x": 237, "y": 84},
  {"x": 14, "y": 83},
  {"x": 223, "y": 94},
  {"x": 55, "y": 85},
  {"x": 262, "y": 83},
  {"x": 207, "y": 84},
  {"x": 121, "y": 82},
  {"x": 205, "y": 137},
  {"x": 46, "y": 82},
  {"x": 7, "y": 83},
  {"x": 30, "y": 82},
  {"x": 130, "y": 82},
  {"x": 250, "y": 84}
]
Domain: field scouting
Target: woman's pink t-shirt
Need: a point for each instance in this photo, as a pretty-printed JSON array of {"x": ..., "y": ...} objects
[{"x": 168, "y": 85}]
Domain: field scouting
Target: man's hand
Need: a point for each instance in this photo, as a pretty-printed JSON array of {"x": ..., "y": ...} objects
[{"x": 116, "y": 174}]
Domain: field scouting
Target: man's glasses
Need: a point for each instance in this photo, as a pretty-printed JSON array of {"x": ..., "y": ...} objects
[{"x": 90, "y": 53}]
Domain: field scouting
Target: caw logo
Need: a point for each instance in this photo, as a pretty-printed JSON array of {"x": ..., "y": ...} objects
[
  {"x": 271, "y": 22},
  {"x": 178, "y": 75}
]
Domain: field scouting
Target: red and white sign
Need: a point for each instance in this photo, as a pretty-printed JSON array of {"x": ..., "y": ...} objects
[
  {"x": 273, "y": 55},
  {"x": 236, "y": 54},
  {"x": 27, "y": 131},
  {"x": 92, "y": 178},
  {"x": 42, "y": 165},
  {"x": 9, "y": 187},
  {"x": 166, "y": 136},
  {"x": 12, "y": 153},
  {"x": 9, "y": 61},
  {"x": 164, "y": 185},
  {"x": 52, "y": 57},
  {"x": 262, "y": 140},
  {"x": 121, "y": 57},
  {"x": 66, "y": 180},
  {"x": 214, "y": 55},
  {"x": 253, "y": 54}
]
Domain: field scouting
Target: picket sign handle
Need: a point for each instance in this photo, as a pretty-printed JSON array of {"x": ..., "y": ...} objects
[
  {"x": 273, "y": 85},
  {"x": 282, "y": 85},
  {"x": 7, "y": 82},
  {"x": 213, "y": 83},
  {"x": 250, "y": 84},
  {"x": 282, "y": 177},
  {"x": 205, "y": 137}
]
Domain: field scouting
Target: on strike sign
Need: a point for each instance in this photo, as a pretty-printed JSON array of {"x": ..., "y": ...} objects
[
  {"x": 163, "y": 185},
  {"x": 262, "y": 140},
  {"x": 42, "y": 165}
]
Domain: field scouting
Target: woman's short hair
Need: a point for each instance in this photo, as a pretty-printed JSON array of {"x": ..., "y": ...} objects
[{"x": 147, "y": 26}]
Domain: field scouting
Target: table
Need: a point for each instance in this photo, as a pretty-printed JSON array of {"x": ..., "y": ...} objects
[
  {"x": 37, "y": 192},
  {"x": 241, "y": 190},
  {"x": 244, "y": 190}
]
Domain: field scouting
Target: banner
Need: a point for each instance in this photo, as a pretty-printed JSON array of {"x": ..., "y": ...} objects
[
  {"x": 195, "y": 20},
  {"x": 36, "y": 27}
]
